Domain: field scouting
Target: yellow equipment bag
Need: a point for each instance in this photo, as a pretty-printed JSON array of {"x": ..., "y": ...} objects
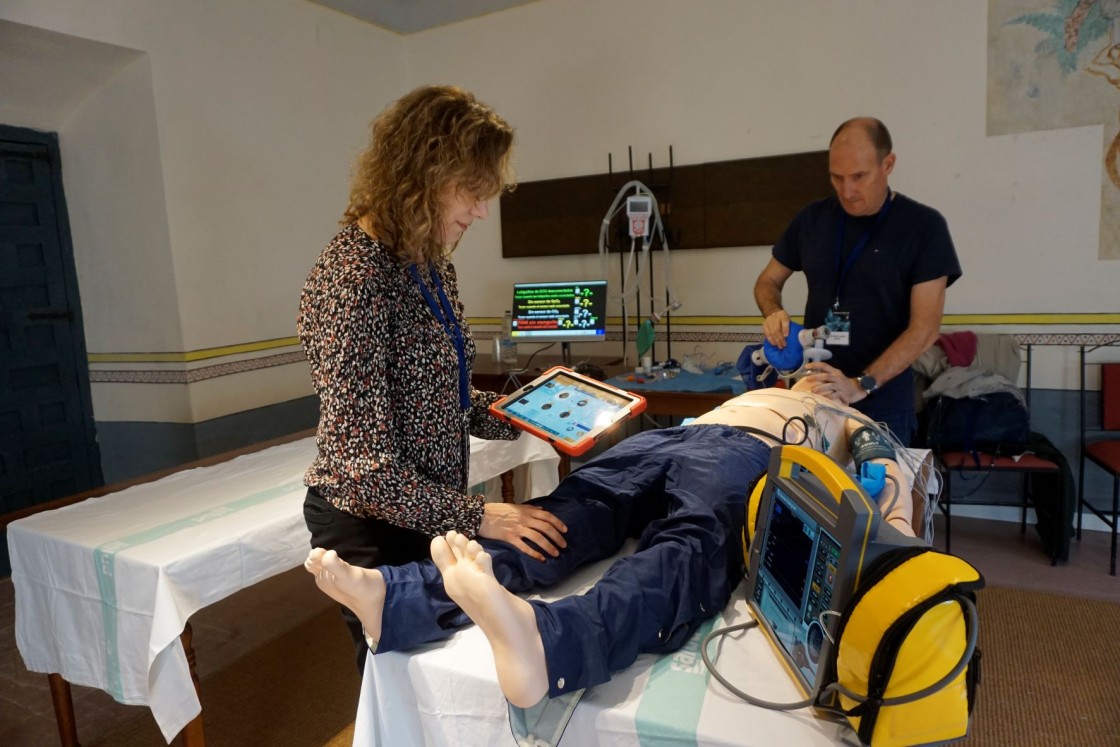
[{"x": 906, "y": 665}]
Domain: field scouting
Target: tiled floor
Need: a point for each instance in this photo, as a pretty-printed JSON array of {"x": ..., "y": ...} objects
[{"x": 228, "y": 629}]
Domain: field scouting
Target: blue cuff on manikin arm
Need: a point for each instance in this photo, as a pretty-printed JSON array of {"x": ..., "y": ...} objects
[{"x": 873, "y": 478}]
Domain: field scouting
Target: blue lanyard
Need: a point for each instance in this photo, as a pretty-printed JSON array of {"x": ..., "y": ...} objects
[
  {"x": 842, "y": 273},
  {"x": 446, "y": 317}
]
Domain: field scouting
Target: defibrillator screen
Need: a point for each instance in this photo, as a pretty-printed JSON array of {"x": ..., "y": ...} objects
[
  {"x": 788, "y": 547},
  {"x": 797, "y": 574}
]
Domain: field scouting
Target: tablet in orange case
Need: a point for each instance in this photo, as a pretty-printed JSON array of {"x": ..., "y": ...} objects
[{"x": 569, "y": 410}]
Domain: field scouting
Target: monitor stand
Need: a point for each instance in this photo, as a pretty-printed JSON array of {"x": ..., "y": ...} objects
[{"x": 566, "y": 354}]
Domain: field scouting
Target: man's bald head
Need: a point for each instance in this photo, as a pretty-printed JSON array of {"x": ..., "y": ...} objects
[{"x": 869, "y": 127}]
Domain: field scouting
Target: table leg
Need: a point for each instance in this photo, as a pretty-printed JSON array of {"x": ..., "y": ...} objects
[
  {"x": 507, "y": 487},
  {"x": 63, "y": 710},
  {"x": 192, "y": 733}
]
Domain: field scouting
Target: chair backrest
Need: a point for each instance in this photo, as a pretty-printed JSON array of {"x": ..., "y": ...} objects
[
  {"x": 1110, "y": 387},
  {"x": 1110, "y": 396}
]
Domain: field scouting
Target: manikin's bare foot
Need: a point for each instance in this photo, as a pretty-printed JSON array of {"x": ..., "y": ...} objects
[
  {"x": 507, "y": 620},
  {"x": 360, "y": 589}
]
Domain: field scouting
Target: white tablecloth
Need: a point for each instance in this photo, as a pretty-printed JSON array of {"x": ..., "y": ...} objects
[
  {"x": 103, "y": 588},
  {"x": 447, "y": 695}
]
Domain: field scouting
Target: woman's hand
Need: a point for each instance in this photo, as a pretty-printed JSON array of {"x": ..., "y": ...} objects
[{"x": 514, "y": 523}]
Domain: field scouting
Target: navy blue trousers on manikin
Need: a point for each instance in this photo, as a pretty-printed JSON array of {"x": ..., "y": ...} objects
[{"x": 680, "y": 491}]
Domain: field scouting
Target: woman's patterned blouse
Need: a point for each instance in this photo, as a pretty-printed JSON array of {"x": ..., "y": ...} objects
[{"x": 393, "y": 439}]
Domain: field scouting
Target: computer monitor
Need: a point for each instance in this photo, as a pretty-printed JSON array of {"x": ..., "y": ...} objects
[{"x": 570, "y": 311}]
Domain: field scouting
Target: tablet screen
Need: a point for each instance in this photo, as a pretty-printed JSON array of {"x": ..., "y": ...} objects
[{"x": 567, "y": 408}]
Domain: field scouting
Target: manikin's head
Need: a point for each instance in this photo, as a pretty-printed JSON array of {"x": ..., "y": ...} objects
[
  {"x": 860, "y": 160},
  {"x": 802, "y": 384},
  {"x": 807, "y": 383}
]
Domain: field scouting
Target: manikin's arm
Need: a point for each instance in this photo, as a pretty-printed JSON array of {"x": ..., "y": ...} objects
[
  {"x": 894, "y": 500},
  {"x": 895, "y": 503}
]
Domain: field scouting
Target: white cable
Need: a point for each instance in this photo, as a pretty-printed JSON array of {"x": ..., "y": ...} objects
[
  {"x": 925, "y": 476},
  {"x": 630, "y": 285},
  {"x": 824, "y": 625}
]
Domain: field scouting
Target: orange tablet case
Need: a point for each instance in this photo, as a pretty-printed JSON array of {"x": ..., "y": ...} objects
[{"x": 569, "y": 410}]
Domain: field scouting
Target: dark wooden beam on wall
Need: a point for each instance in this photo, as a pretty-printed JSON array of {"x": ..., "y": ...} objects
[{"x": 747, "y": 202}]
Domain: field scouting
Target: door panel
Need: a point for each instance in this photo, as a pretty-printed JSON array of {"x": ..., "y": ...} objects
[{"x": 47, "y": 449}]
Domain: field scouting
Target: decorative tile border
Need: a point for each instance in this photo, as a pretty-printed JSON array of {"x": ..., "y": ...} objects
[
  {"x": 150, "y": 376},
  {"x": 1074, "y": 340}
]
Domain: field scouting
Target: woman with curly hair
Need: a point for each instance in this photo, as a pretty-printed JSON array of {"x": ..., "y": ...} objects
[{"x": 391, "y": 352}]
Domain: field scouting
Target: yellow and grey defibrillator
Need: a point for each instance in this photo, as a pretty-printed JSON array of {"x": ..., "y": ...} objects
[{"x": 873, "y": 625}]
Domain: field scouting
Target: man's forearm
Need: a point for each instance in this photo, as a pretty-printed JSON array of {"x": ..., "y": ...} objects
[
  {"x": 901, "y": 354},
  {"x": 768, "y": 296}
]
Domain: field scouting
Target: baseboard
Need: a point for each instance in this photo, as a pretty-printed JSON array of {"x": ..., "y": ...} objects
[{"x": 1089, "y": 523}]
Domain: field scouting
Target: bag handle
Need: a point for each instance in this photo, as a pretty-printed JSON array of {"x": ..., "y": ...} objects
[{"x": 865, "y": 701}]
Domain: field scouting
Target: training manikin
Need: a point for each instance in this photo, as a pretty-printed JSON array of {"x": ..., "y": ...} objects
[{"x": 681, "y": 491}]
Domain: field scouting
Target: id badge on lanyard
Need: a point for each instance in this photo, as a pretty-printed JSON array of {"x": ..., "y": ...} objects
[
  {"x": 839, "y": 325},
  {"x": 839, "y": 321}
]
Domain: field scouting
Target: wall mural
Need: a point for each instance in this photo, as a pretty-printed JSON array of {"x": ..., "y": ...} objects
[{"x": 1053, "y": 64}]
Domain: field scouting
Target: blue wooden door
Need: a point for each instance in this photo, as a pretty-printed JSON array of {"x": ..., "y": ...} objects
[{"x": 47, "y": 444}]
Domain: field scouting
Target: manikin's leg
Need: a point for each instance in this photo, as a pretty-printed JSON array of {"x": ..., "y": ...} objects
[
  {"x": 682, "y": 572},
  {"x": 507, "y": 620},
  {"x": 360, "y": 589},
  {"x": 697, "y": 475},
  {"x": 603, "y": 502}
]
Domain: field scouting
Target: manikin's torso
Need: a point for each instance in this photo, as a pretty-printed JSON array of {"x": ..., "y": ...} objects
[{"x": 771, "y": 409}]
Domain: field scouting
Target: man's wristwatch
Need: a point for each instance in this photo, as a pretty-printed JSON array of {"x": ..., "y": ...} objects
[{"x": 867, "y": 382}]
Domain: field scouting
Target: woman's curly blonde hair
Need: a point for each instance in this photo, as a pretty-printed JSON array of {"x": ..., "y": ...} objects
[{"x": 428, "y": 139}]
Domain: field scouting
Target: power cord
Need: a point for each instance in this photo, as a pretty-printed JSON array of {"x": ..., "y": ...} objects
[{"x": 973, "y": 627}]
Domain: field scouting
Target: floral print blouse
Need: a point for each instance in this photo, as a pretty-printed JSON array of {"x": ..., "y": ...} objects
[{"x": 392, "y": 439}]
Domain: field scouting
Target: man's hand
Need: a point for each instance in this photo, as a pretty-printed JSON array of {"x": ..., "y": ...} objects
[
  {"x": 768, "y": 296},
  {"x": 776, "y": 328},
  {"x": 514, "y": 523},
  {"x": 833, "y": 383}
]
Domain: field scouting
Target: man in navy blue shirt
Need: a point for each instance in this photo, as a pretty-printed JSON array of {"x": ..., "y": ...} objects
[{"x": 877, "y": 264}]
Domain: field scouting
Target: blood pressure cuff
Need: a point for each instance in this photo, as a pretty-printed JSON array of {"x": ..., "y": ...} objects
[
  {"x": 868, "y": 443},
  {"x": 905, "y": 630}
]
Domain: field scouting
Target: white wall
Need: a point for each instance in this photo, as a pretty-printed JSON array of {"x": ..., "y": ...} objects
[
  {"x": 251, "y": 112},
  {"x": 725, "y": 79},
  {"x": 203, "y": 180}
]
